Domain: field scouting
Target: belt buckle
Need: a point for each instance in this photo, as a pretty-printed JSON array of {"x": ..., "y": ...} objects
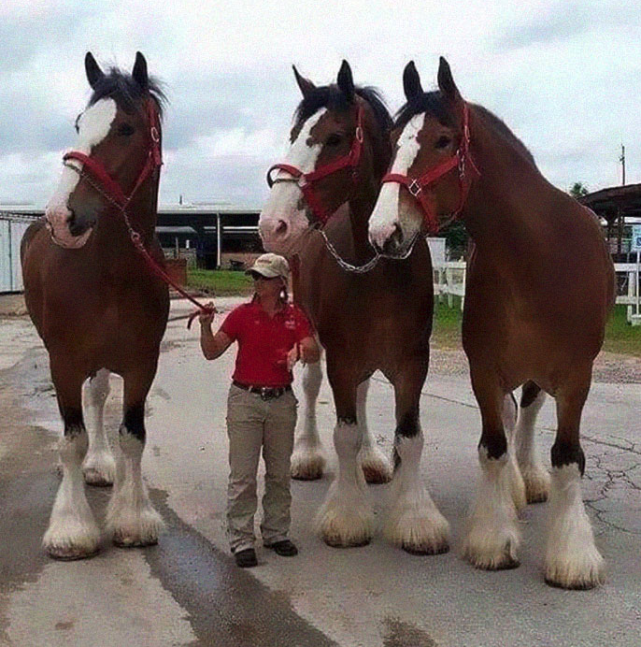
[{"x": 265, "y": 394}]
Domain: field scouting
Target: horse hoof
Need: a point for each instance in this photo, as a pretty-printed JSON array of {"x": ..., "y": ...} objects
[
  {"x": 307, "y": 476},
  {"x": 374, "y": 476},
  {"x": 507, "y": 564},
  {"x": 97, "y": 478},
  {"x": 427, "y": 550},
  {"x": 133, "y": 542},
  {"x": 578, "y": 586},
  {"x": 70, "y": 553},
  {"x": 339, "y": 544}
]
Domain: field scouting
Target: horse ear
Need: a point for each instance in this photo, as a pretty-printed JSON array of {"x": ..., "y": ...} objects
[
  {"x": 346, "y": 81},
  {"x": 411, "y": 82},
  {"x": 94, "y": 73},
  {"x": 446, "y": 82},
  {"x": 305, "y": 85},
  {"x": 139, "y": 73}
]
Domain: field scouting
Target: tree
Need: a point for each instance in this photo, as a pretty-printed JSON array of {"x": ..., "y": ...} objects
[{"x": 578, "y": 190}]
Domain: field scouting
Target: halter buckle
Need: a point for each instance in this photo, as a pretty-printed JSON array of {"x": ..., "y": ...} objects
[
  {"x": 155, "y": 135},
  {"x": 414, "y": 188},
  {"x": 461, "y": 165},
  {"x": 359, "y": 134}
]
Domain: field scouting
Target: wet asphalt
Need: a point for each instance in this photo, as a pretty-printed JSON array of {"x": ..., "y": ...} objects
[{"x": 187, "y": 590}]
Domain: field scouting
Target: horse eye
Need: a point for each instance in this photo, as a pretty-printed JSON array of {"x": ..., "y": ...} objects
[
  {"x": 126, "y": 130},
  {"x": 333, "y": 140},
  {"x": 443, "y": 141}
]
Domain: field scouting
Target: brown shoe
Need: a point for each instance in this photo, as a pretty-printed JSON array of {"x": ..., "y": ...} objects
[
  {"x": 246, "y": 558},
  {"x": 284, "y": 548}
]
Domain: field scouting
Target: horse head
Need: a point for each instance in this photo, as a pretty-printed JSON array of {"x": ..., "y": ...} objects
[
  {"x": 337, "y": 142},
  {"x": 431, "y": 168},
  {"x": 117, "y": 149}
]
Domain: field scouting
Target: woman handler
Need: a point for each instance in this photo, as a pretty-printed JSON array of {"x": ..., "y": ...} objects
[{"x": 272, "y": 336}]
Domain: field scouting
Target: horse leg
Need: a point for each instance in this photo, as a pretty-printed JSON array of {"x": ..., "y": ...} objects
[
  {"x": 572, "y": 560},
  {"x": 346, "y": 518},
  {"x": 492, "y": 537},
  {"x": 375, "y": 465},
  {"x": 73, "y": 532},
  {"x": 510, "y": 412},
  {"x": 308, "y": 458},
  {"x": 414, "y": 523},
  {"x": 99, "y": 467},
  {"x": 535, "y": 476},
  {"x": 130, "y": 517}
]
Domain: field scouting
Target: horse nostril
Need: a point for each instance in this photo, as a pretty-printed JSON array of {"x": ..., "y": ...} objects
[
  {"x": 281, "y": 229},
  {"x": 75, "y": 228}
]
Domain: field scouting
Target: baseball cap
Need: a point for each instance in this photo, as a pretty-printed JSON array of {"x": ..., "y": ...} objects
[{"x": 270, "y": 266}]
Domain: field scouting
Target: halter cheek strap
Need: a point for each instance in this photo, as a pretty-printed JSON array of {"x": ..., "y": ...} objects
[
  {"x": 462, "y": 160},
  {"x": 306, "y": 181}
]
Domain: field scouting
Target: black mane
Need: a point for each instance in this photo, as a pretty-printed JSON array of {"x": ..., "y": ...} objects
[
  {"x": 435, "y": 105},
  {"x": 121, "y": 87},
  {"x": 331, "y": 97}
]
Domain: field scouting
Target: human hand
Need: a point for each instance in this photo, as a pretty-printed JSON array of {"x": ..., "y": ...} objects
[
  {"x": 292, "y": 357},
  {"x": 205, "y": 315}
]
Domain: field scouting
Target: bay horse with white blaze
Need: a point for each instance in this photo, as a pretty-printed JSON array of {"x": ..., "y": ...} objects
[
  {"x": 379, "y": 320},
  {"x": 539, "y": 289},
  {"x": 97, "y": 305}
]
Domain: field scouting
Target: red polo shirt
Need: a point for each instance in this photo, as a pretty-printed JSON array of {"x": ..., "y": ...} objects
[{"x": 264, "y": 341}]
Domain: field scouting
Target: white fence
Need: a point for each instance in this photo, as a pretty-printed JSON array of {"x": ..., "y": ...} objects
[
  {"x": 449, "y": 282},
  {"x": 11, "y": 231}
]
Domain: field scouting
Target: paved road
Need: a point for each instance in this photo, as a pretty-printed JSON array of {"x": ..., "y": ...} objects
[{"x": 186, "y": 590}]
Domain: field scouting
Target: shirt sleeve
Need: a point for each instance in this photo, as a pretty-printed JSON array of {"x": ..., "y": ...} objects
[
  {"x": 232, "y": 324},
  {"x": 303, "y": 326}
]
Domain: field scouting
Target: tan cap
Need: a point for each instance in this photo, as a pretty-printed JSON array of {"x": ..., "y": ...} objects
[{"x": 270, "y": 266}]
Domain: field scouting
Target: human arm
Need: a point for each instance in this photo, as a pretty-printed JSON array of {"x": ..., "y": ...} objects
[{"x": 212, "y": 346}]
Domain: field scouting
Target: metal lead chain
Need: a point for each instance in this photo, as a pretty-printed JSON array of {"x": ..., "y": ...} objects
[{"x": 348, "y": 267}]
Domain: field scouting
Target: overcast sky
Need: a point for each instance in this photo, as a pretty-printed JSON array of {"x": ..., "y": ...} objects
[{"x": 565, "y": 76}]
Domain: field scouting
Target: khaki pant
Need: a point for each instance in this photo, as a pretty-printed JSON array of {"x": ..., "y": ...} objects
[{"x": 252, "y": 424}]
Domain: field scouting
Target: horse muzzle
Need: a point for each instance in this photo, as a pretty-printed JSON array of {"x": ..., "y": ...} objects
[{"x": 66, "y": 229}]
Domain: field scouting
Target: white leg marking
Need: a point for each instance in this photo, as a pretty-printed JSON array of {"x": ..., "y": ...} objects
[
  {"x": 130, "y": 517},
  {"x": 414, "y": 522},
  {"x": 535, "y": 476},
  {"x": 346, "y": 518},
  {"x": 376, "y": 467},
  {"x": 99, "y": 467},
  {"x": 308, "y": 458},
  {"x": 73, "y": 532},
  {"x": 572, "y": 560},
  {"x": 516, "y": 479},
  {"x": 492, "y": 537}
]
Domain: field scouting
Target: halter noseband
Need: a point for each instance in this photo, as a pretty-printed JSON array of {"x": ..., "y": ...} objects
[
  {"x": 462, "y": 160},
  {"x": 105, "y": 183},
  {"x": 306, "y": 181}
]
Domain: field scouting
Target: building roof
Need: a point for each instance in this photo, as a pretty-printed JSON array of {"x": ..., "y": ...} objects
[{"x": 609, "y": 203}]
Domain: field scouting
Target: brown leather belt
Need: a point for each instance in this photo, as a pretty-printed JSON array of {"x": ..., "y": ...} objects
[{"x": 265, "y": 392}]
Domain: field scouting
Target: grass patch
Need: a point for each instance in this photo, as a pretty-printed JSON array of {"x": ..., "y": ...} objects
[
  {"x": 220, "y": 282},
  {"x": 620, "y": 337}
]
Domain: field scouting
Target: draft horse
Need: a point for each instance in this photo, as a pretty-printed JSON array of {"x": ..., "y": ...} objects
[
  {"x": 96, "y": 304},
  {"x": 539, "y": 289},
  {"x": 378, "y": 320}
]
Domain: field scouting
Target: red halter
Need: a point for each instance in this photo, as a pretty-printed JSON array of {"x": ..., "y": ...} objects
[
  {"x": 110, "y": 189},
  {"x": 106, "y": 183},
  {"x": 306, "y": 181},
  {"x": 462, "y": 159}
]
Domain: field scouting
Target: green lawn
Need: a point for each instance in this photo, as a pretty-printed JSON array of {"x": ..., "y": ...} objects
[
  {"x": 619, "y": 336},
  {"x": 220, "y": 282}
]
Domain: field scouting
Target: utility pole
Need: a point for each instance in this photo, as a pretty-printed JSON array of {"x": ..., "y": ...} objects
[{"x": 622, "y": 160}]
